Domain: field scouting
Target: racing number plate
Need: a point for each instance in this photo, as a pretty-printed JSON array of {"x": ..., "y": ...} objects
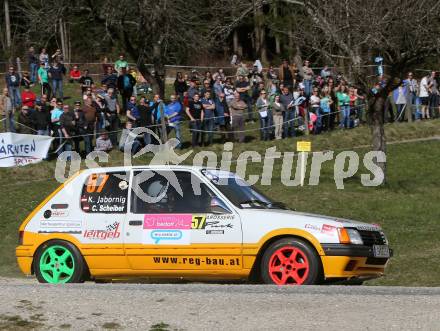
[{"x": 381, "y": 251}]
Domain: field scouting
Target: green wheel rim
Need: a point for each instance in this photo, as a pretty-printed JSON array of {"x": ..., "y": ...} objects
[{"x": 57, "y": 265}]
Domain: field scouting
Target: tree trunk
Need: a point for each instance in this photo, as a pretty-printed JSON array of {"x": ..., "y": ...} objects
[
  {"x": 8, "y": 28},
  {"x": 377, "y": 129},
  {"x": 277, "y": 38}
]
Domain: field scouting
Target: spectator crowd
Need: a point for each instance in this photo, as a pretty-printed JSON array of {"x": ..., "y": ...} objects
[{"x": 285, "y": 101}]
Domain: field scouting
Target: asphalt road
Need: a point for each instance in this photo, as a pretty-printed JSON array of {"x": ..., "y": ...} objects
[{"x": 27, "y": 305}]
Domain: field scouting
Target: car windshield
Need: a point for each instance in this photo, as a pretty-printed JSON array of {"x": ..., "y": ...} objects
[{"x": 239, "y": 192}]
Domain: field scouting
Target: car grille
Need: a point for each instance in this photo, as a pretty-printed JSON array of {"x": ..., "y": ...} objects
[{"x": 371, "y": 238}]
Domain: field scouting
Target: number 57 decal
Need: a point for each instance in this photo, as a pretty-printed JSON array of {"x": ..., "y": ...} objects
[{"x": 198, "y": 222}]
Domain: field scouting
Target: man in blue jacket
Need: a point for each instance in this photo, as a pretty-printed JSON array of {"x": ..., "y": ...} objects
[{"x": 173, "y": 116}]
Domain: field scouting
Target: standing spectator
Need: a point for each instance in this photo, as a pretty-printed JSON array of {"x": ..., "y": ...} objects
[
  {"x": 218, "y": 86},
  {"x": 25, "y": 125},
  {"x": 126, "y": 83},
  {"x": 195, "y": 114},
  {"x": 412, "y": 88},
  {"x": 315, "y": 103},
  {"x": 242, "y": 70},
  {"x": 229, "y": 91},
  {"x": 12, "y": 79},
  {"x": 121, "y": 63},
  {"x": 333, "y": 105},
  {"x": 41, "y": 117},
  {"x": 424, "y": 96},
  {"x": 206, "y": 87},
  {"x": 307, "y": 78},
  {"x": 237, "y": 108},
  {"x": 263, "y": 110},
  {"x": 399, "y": 95},
  {"x": 58, "y": 56},
  {"x": 33, "y": 64},
  {"x": 192, "y": 90},
  {"x": 242, "y": 87},
  {"x": 325, "y": 104},
  {"x": 343, "y": 106},
  {"x": 26, "y": 80},
  {"x": 287, "y": 100},
  {"x": 78, "y": 118},
  {"x": 7, "y": 111},
  {"x": 44, "y": 58},
  {"x": 287, "y": 74},
  {"x": 56, "y": 72},
  {"x": 208, "y": 118},
  {"x": 88, "y": 124},
  {"x": 68, "y": 129},
  {"x": 103, "y": 143},
  {"x": 434, "y": 95},
  {"x": 86, "y": 81},
  {"x": 173, "y": 115},
  {"x": 28, "y": 98},
  {"x": 146, "y": 118},
  {"x": 74, "y": 74},
  {"x": 278, "y": 110},
  {"x": 110, "y": 79},
  {"x": 56, "y": 124},
  {"x": 180, "y": 86},
  {"x": 101, "y": 109},
  {"x": 112, "y": 115},
  {"x": 325, "y": 73},
  {"x": 222, "y": 114},
  {"x": 43, "y": 79},
  {"x": 133, "y": 114}
]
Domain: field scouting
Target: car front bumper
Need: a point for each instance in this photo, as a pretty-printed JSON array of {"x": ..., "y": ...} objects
[{"x": 352, "y": 261}]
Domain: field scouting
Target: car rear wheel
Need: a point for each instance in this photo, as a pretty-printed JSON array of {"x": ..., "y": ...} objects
[
  {"x": 58, "y": 262},
  {"x": 290, "y": 261}
]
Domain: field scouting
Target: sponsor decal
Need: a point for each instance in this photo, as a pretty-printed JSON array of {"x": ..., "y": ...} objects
[
  {"x": 367, "y": 227},
  {"x": 215, "y": 231},
  {"x": 202, "y": 222},
  {"x": 312, "y": 227},
  {"x": 60, "y": 231},
  {"x": 123, "y": 185},
  {"x": 47, "y": 213},
  {"x": 59, "y": 206},
  {"x": 60, "y": 224},
  {"x": 218, "y": 225},
  {"x": 328, "y": 229},
  {"x": 198, "y": 261},
  {"x": 167, "y": 228},
  {"x": 55, "y": 213},
  {"x": 111, "y": 231}
]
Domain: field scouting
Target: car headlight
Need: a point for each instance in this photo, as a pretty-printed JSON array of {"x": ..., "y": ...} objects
[
  {"x": 355, "y": 237},
  {"x": 349, "y": 236}
]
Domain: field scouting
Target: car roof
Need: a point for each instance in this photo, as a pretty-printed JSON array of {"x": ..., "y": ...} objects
[{"x": 148, "y": 167}]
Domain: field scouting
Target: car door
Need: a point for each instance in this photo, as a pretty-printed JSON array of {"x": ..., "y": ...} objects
[
  {"x": 103, "y": 202},
  {"x": 171, "y": 231}
]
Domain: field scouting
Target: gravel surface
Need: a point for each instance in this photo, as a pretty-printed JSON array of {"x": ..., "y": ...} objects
[{"x": 27, "y": 305}]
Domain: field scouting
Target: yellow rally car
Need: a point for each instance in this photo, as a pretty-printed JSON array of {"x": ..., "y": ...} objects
[{"x": 188, "y": 222}]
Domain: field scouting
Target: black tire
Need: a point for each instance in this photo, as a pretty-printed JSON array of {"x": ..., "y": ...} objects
[
  {"x": 273, "y": 269},
  {"x": 75, "y": 260}
]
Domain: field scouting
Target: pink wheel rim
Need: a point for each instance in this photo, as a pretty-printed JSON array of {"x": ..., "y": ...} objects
[{"x": 288, "y": 266}]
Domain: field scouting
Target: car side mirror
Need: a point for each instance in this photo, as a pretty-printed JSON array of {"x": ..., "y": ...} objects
[{"x": 219, "y": 207}]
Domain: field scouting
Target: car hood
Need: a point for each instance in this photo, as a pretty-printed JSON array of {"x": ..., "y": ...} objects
[{"x": 294, "y": 218}]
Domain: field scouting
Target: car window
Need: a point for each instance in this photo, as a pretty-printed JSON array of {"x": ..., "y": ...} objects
[
  {"x": 105, "y": 193},
  {"x": 158, "y": 192}
]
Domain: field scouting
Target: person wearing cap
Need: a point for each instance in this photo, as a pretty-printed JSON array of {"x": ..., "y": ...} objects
[
  {"x": 43, "y": 79},
  {"x": 12, "y": 79},
  {"x": 41, "y": 117},
  {"x": 25, "y": 125},
  {"x": 103, "y": 143},
  {"x": 192, "y": 90},
  {"x": 126, "y": 83}
]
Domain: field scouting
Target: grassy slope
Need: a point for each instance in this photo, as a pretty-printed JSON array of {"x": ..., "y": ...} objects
[{"x": 407, "y": 207}]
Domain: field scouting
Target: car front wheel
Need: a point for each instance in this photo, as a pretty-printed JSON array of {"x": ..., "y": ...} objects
[{"x": 290, "y": 261}]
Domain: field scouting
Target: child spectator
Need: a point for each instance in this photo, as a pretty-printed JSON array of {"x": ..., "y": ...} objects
[{"x": 103, "y": 143}]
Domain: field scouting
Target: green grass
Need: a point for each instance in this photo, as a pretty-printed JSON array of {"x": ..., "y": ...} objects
[{"x": 406, "y": 207}]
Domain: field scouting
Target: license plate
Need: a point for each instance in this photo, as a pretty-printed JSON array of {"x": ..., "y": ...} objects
[{"x": 381, "y": 251}]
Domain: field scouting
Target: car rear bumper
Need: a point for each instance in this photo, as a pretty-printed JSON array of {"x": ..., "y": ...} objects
[
  {"x": 351, "y": 261},
  {"x": 24, "y": 259}
]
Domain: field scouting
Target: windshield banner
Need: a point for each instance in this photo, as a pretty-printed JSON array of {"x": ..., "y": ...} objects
[{"x": 22, "y": 149}]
